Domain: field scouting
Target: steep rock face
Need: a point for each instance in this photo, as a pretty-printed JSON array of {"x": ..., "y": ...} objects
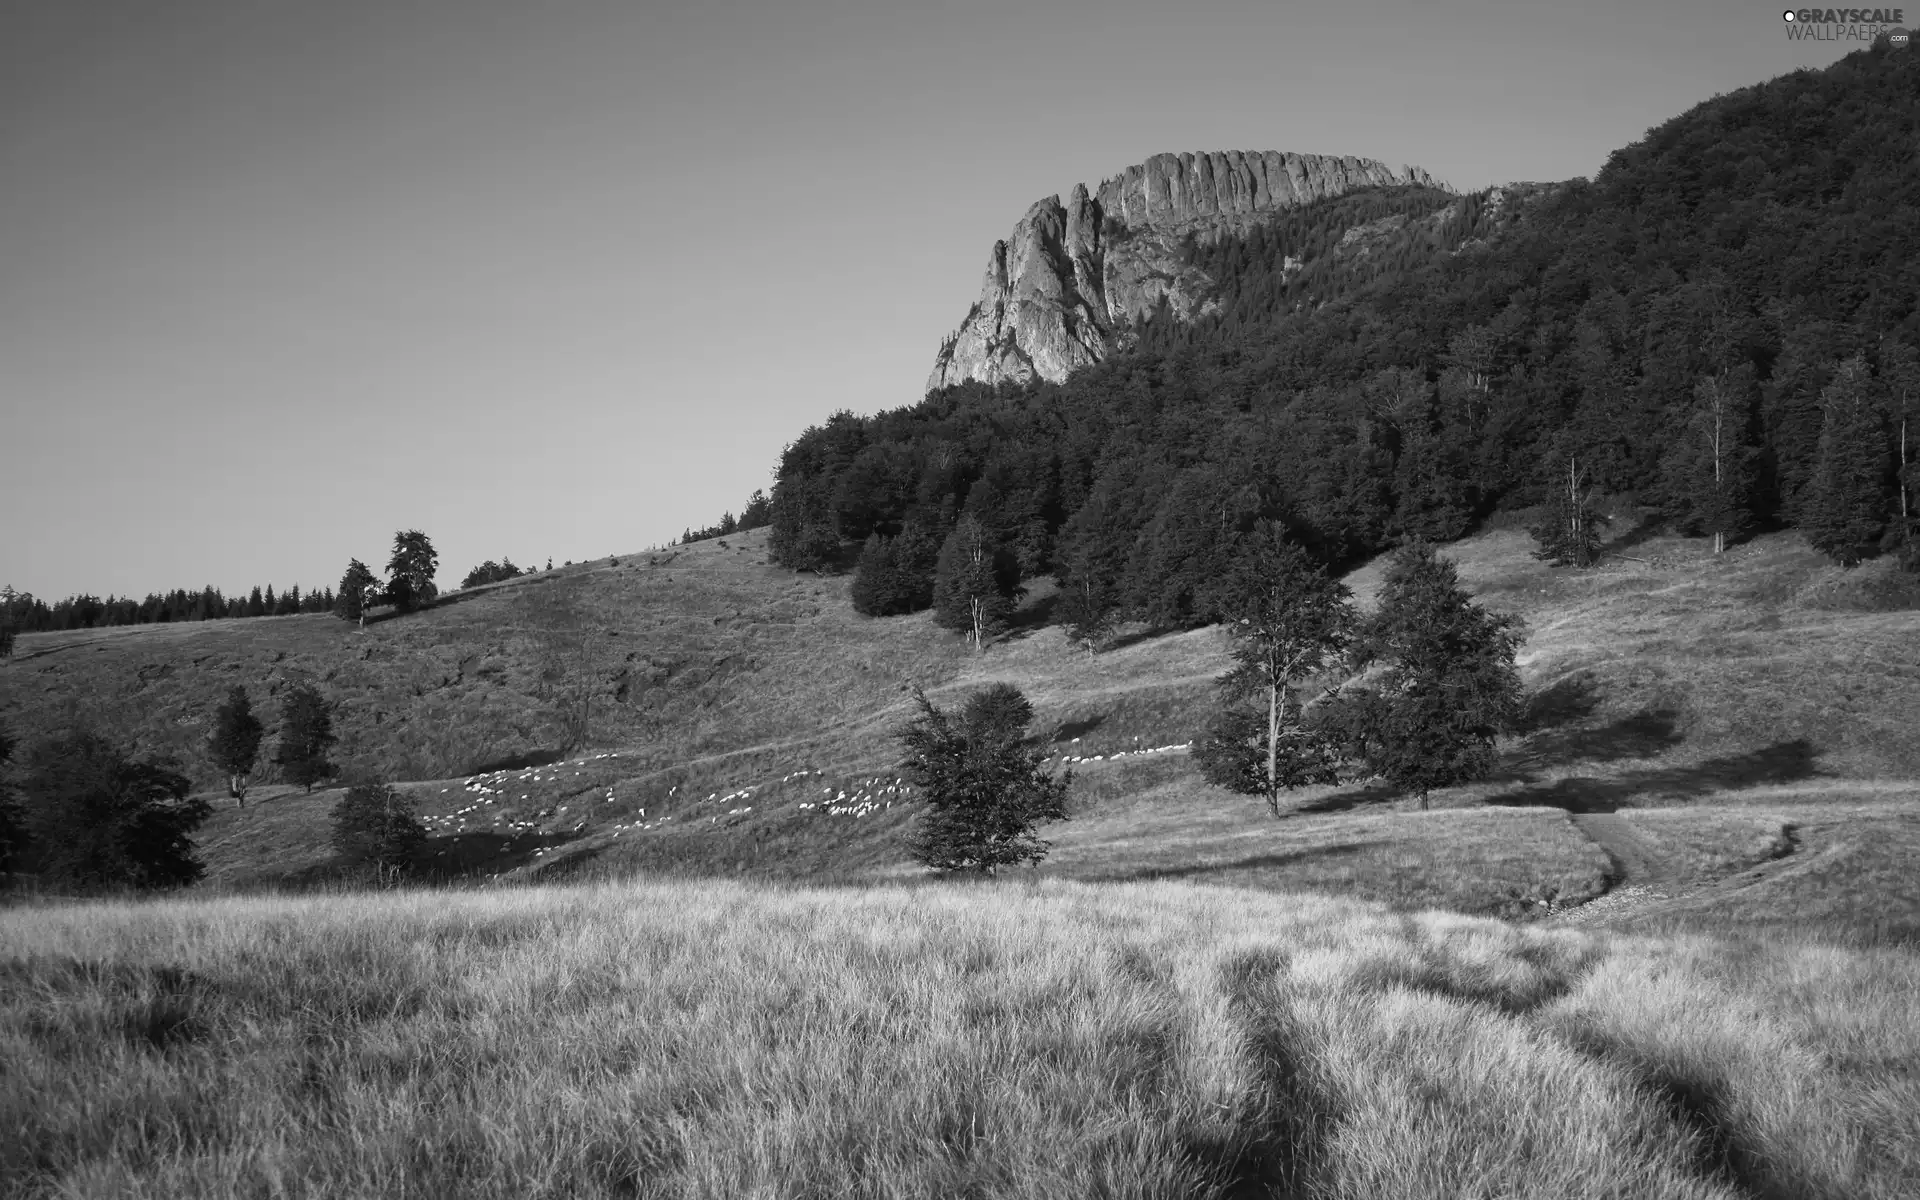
[{"x": 1070, "y": 278}]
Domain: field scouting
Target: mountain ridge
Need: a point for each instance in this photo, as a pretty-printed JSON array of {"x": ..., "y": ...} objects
[{"x": 1060, "y": 290}]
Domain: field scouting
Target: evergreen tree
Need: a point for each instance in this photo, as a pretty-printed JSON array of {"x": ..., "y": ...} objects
[
  {"x": 256, "y": 604},
  {"x": 100, "y": 820},
  {"x": 375, "y": 825},
  {"x": 1568, "y": 534},
  {"x": 985, "y": 785},
  {"x": 7, "y": 636},
  {"x": 1288, "y": 620},
  {"x": 270, "y": 604},
  {"x": 758, "y": 511},
  {"x": 1449, "y": 688},
  {"x": 1847, "y": 509},
  {"x": 306, "y": 734},
  {"x": 235, "y": 744},
  {"x": 289, "y": 603},
  {"x": 410, "y": 571},
  {"x": 359, "y": 590},
  {"x": 974, "y": 583}
]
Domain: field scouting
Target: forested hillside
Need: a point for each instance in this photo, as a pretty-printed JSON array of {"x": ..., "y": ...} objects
[{"x": 1720, "y": 324}]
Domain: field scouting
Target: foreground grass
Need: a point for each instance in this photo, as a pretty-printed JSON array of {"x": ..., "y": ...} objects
[{"x": 1022, "y": 1039}]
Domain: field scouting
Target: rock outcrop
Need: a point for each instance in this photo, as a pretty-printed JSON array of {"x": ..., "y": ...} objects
[{"x": 1071, "y": 278}]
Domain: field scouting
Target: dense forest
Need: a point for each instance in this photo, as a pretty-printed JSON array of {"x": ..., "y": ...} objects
[
  {"x": 24, "y": 613},
  {"x": 1720, "y": 325}
]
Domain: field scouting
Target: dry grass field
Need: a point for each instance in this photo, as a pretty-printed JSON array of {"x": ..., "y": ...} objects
[{"x": 1039, "y": 1038}]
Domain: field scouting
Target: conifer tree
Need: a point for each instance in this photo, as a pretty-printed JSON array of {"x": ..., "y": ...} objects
[
  {"x": 1449, "y": 688},
  {"x": 1288, "y": 620},
  {"x": 410, "y": 571},
  {"x": 1846, "y": 513},
  {"x": 235, "y": 744},
  {"x": 1568, "y": 534},
  {"x": 256, "y": 604},
  {"x": 306, "y": 735},
  {"x": 358, "y": 592},
  {"x": 984, "y": 782},
  {"x": 269, "y": 604}
]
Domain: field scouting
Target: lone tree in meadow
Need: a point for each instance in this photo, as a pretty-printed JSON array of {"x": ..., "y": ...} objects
[
  {"x": 98, "y": 819},
  {"x": 375, "y": 825},
  {"x": 359, "y": 589},
  {"x": 1288, "y": 621},
  {"x": 410, "y": 571},
  {"x": 306, "y": 734},
  {"x": 1449, "y": 688},
  {"x": 235, "y": 744},
  {"x": 985, "y": 786}
]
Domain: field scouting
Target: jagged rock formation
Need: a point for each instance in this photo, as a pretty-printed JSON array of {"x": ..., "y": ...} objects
[{"x": 1071, "y": 278}]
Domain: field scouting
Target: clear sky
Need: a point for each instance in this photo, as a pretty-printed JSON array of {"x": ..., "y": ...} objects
[{"x": 278, "y": 278}]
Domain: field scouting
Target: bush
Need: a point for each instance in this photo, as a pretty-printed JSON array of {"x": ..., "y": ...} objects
[
  {"x": 374, "y": 825},
  {"x": 984, "y": 783},
  {"x": 100, "y": 820}
]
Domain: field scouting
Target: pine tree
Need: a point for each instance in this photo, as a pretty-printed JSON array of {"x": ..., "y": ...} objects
[
  {"x": 270, "y": 604},
  {"x": 306, "y": 734},
  {"x": 410, "y": 571},
  {"x": 1568, "y": 534},
  {"x": 1288, "y": 620},
  {"x": 358, "y": 592},
  {"x": 1450, "y": 687},
  {"x": 375, "y": 825},
  {"x": 235, "y": 744},
  {"x": 1847, "y": 509},
  {"x": 974, "y": 583},
  {"x": 984, "y": 782},
  {"x": 256, "y": 604}
]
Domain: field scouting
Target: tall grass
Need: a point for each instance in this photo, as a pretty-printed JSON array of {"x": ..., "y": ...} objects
[{"x": 1018, "y": 1039}]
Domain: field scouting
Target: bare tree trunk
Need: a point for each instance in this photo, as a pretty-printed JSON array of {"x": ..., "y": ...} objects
[
  {"x": 1719, "y": 413},
  {"x": 1903, "y": 467},
  {"x": 1273, "y": 744}
]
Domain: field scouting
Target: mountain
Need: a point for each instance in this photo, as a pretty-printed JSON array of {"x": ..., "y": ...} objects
[{"x": 1063, "y": 287}]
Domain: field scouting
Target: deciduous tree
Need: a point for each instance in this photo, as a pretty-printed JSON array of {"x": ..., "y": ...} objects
[
  {"x": 98, "y": 819},
  {"x": 984, "y": 782},
  {"x": 375, "y": 825},
  {"x": 410, "y": 571},
  {"x": 1288, "y": 620},
  {"x": 235, "y": 744}
]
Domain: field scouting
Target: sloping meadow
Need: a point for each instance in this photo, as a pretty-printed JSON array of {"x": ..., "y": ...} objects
[{"x": 1015, "y": 1038}]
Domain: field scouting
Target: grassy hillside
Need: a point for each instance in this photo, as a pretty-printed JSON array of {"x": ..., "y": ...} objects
[
  {"x": 1749, "y": 714},
  {"x": 1044, "y": 1040}
]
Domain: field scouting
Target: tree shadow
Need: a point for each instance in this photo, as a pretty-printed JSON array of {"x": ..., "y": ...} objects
[
  {"x": 1782, "y": 762},
  {"x": 519, "y": 762},
  {"x": 1257, "y": 862},
  {"x": 1645, "y": 531},
  {"x": 1070, "y": 730},
  {"x": 1645, "y": 734}
]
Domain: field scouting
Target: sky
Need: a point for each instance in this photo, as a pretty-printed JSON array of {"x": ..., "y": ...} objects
[{"x": 279, "y": 279}]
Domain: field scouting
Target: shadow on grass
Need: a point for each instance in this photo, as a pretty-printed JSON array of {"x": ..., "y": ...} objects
[
  {"x": 519, "y": 762},
  {"x": 1783, "y": 762},
  {"x": 1645, "y": 734},
  {"x": 1070, "y": 730},
  {"x": 1257, "y": 862}
]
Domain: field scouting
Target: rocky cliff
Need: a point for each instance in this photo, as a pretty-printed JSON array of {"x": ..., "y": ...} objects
[{"x": 1070, "y": 278}]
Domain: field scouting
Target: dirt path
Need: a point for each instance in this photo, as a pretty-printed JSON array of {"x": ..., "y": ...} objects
[{"x": 1640, "y": 874}]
